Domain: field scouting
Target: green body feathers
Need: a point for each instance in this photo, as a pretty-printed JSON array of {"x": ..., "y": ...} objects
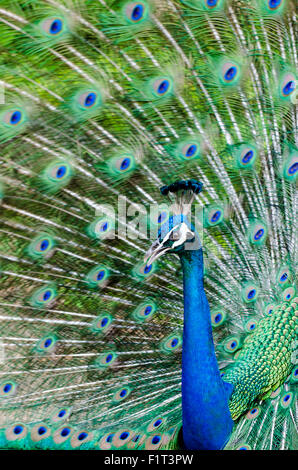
[{"x": 103, "y": 103}]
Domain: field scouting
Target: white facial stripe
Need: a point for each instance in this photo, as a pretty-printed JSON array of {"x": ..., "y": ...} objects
[{"x": 183, "y": 230}]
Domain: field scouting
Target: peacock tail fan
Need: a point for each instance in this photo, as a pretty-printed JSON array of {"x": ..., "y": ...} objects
[{"x": 102, "y": 103}]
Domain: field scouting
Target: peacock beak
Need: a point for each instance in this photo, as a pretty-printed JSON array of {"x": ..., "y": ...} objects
[{"x": 155, "y": 251}]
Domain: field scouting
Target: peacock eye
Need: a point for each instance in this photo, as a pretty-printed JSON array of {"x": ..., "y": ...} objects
[
  {"x": 273, "y": 4},
  {"x": 13, "y": 117},
  {"x": 287, "y": 85},
  {"x": 229, "y": 72},
  {"x": 290, "y": 167},
  {"x": 136, "y": 12},
  {"x": 211, "y": 3},
  {"x": 88, "y": 99},
  {"x": 162, "y": 87},
  {"x": 53, "y": 26}
]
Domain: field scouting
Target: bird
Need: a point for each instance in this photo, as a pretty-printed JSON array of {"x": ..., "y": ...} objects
[{"x": 130, "y": 124}]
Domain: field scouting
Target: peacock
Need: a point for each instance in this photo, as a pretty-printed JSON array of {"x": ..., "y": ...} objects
[{"x": 125, "y": 124}]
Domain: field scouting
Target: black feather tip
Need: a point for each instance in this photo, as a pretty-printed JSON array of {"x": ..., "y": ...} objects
[{"x": 191, "y": 185}]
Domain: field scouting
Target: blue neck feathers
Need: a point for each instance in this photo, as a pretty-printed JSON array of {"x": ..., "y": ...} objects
[{"x": 207, "y": 423}]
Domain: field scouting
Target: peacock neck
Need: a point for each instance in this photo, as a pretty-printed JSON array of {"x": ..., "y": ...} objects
[{"x": 207, "y": 422}]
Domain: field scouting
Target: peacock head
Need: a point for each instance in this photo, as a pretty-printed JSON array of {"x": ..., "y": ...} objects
[{"x": 176, "y": 234}]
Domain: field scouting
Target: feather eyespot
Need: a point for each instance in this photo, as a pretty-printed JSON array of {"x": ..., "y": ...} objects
[
  {"x": 98, "y": 276},
  {"x": 257, "y": 233},
  {"x": 61, "y": 414},
  {"x": 245, "y": 156},
  {"x": 14, "y": 117},
  {"x": 58, "y": 174},
  {"x": 122, "y": 394},
  {"x": 153, "y": 442},
  {"x": 144, "y": 312},
  {"x": 53, "y": 26},
  {"x": 213, "y": 215},
  {"x": 217, "y": 318},
  {"x": 171, "y": 343},
  {"x": 286, "y": 399},
  {"x": 46, "y": 344},
  {"x": 270, "y": 309},
  {"x": 62, "y": 434},
  {"x": 162, "y": 87},
  {"x": 274, "y": 4},
  {"x": 136, "y": 12},
  {"x": 40, "y": 432},
  {"x": 106, "y": 360},
  {"x": 290, "y": 167},
  {"x": 43, "y": 297},
  {"x": 16, "y": 432},
  {"x": 144, "y": 271},
  {"x": 251, "y": 325},
  {"x": 156, "y": 423},
  {"x": 88, "y": 99},
  {"x": 231, "y": 345},
  {"x": 101, "y": 228},
  {"x": 288, "y": 294},
  {"x": 188, "y": 149},
  {"x": 283, "y": 275},
  {"x": 294, "y": 375},
  {"x": 230, "y": 72},
  {"x": 122, "y": 165},
  {"x": 211, "y": 3},
  {"x": 7, "y": 389},
  {"x": 102, "y": 323},
  {"x": 244, "y": 447},
  {"x": 80, "y": 438},
  {"x": 253, "y": 413},
  {"x": 41, "y": 246},
  {"x": 288, "y": 85}
]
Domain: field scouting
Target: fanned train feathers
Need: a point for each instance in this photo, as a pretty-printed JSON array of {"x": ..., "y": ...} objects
[{"x": 104, "y": 100}]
